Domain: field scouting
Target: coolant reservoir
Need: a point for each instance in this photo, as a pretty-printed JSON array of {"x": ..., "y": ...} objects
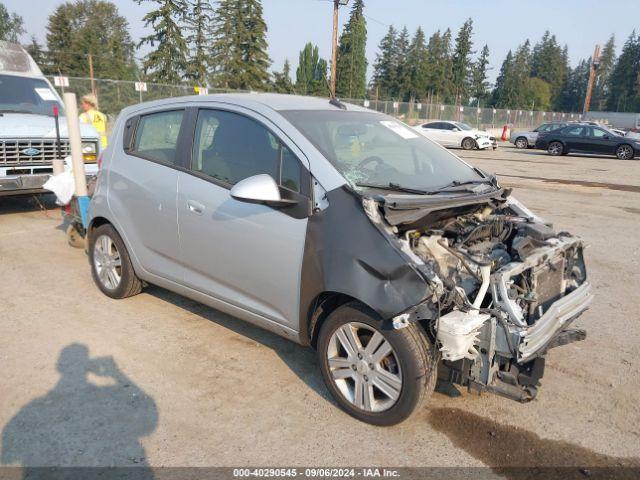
[{"x": 457, "y": 333}]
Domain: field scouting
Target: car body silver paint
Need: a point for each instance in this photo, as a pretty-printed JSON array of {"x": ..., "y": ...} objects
[{"x": 258, "y": 188}]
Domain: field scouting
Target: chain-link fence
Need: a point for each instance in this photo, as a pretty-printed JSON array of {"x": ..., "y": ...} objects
[{"x": 114, "y": 95}]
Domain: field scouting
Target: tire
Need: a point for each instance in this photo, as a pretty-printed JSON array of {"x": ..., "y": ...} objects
[
  {"x": 469, "y": 143},
  {"x": 521, "y": 143},
  {"x": 625, "y": 152},
  {"x": 111, "y": 266},
  {"x": 410, "y": 367},
  {"x": 555, "y": 149}
]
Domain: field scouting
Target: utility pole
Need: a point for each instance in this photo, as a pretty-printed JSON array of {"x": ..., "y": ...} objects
[
  {"x": 334, "y": 43},
  {"x": 595, "y": 63}
]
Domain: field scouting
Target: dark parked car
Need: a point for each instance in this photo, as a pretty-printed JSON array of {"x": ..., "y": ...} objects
[{"x": 586, "y": 138}]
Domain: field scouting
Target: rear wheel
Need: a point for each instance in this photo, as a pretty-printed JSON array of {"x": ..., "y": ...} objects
[
  {"x": 380, "y": 376},
  {"x": 521, "y": 143},
  {"x": 111, "y": 266},
  {"x": 555, "y": 148},
  {"x": 469, "y": 143},
  {"x": 625, "y": 152}
]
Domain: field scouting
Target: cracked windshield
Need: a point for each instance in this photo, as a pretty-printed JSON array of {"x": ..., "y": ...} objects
[{"x": 373, "y": 149}]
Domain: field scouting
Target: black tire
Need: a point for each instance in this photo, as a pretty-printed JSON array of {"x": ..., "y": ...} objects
[
  {"x": 129, "y": 284},
  {"x": 625, "y": 152},
  {"x": 469, "y": 143},
  {"x": 416, "y": 355},
  {"x": 521, "y": 143},
  {"x": 555, "y": 148}
]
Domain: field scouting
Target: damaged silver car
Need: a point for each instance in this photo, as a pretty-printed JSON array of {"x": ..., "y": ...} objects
[{"x": 342, "y": 229}]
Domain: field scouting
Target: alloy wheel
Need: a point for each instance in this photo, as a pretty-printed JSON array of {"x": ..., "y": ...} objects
[
  {"x": 107, "y": 262},
  {"x": 521, "y": 143},
  {"x": 624, "y": 152},
  {"x": 364, "y": 367},
  {"x": 555, "y": 148}
]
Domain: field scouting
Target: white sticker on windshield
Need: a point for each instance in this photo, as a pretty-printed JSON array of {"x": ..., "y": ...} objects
[
  {"x": 399, "y": 129},
  {"x": 45, "y": 94}
]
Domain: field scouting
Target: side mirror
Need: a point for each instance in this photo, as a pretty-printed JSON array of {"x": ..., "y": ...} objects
[
  {"x": 606, "y": 137},
  {"x": 260, "y": 188},
  {"x": 456, "y": 129}
]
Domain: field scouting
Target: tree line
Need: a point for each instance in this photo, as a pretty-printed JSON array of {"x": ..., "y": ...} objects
[{"x": 223, "y": 44}]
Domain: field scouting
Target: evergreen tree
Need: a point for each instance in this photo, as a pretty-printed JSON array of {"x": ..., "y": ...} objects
[
  {"x": 240, "y": 45},
  {"x": 11, "y": 25},
  {"x": 439, "y": 64},
  {"x": 282, "y": 80},
  {"x": 401, "y": 84},
  {"x": 385, "y": 67},
  {"x": 479, "y": 84},
  {"x": 311, "y": 75},
  {"x": 37, "y": 53},
  {"x": 549, "y": 62},
  {"x": 461, "y": 62},
  {"x": 418, "y": 67},
  {"x": 571, "y": 98},
  {"x": 624, "y": 89},
  {"x": 95, "y": 27},
  {"x": 198, "y": 41},
  {"x": 351, "y": 65},
  {"x": 505, "y": 92},
  {"x": 602, "y": 85},
  {"x": 168, "y": 62}
]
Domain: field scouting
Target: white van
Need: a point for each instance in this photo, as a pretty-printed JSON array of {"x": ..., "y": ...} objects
[{"x": 28, "y": 142}]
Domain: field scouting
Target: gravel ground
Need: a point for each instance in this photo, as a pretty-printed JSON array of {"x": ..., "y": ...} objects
[{"x": 163, "y": 381}]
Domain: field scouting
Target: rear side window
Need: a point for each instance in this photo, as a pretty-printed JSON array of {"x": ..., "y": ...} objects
[
  {"x": 431, "y": 125},
  {"x": 231, "y": 147},
  {"x": 156, "y": 137},
  {"x": 574, "y": 131}
]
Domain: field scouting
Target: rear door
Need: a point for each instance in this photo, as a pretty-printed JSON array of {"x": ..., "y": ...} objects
[
  {"x": 431, "y": 131},
  {"x": 449, "y": 137},
  {"x": 244, "y": 254},
  {"x": 143, "y": 187},
  {"x": 575, "y": 138}
]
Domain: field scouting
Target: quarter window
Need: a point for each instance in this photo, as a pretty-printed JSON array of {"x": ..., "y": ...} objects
[
  {"x": 157, "y": 136},
  {"x": 231, "y": 147}
]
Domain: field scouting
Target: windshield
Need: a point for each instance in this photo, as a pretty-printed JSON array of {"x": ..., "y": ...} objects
[
  {"x": 371, "y": 148},
  {"x": 26, "y": 95},
  {"x": 462, "y": 126}
]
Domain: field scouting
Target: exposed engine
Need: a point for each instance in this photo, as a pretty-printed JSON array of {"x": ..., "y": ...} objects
[{"x": 500, "y": 282}]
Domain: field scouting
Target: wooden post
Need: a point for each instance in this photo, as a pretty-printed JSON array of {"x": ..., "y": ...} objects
[
  {"x": 595, "y": 63},
  {"x": 93, "y": 81},
  {"x": 73, "y": 127},
  {"x": 334, "y": 47}
]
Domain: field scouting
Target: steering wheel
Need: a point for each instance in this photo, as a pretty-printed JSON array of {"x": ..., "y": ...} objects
[{"x": 372, "y": 159}]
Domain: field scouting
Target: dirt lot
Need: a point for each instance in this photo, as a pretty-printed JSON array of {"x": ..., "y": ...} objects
[{"x": 189, "y": 386}]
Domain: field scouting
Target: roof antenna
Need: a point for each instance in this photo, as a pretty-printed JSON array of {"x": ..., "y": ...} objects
[{"x": 332, "y": 98}]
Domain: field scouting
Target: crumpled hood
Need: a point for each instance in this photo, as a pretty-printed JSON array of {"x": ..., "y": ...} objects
[{"x": 23, "y": 125}]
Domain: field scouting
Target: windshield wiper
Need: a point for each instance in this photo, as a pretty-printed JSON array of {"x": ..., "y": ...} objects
[
  {"x": 455, "y": 185},
  {"x": 394, "y": 187}
]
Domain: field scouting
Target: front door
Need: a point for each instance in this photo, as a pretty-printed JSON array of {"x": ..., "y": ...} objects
[{"x": 245, "y": 254}]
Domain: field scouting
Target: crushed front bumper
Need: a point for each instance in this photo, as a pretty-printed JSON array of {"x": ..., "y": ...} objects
[
  {"x": 560, "y": 314},
  {"x": 16, "y": 184}
]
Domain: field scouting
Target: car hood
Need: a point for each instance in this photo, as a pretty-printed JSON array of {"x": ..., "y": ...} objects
[{"x": 24, "y": 125}]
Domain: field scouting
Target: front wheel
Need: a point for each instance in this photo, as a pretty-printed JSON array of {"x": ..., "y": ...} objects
[
  {"x": 555, "y": 148},
  {"x": 624, "y": 152},
  {"x": 377, "y": 375},
  {"x": 469, "y": 144},
  {"x": 521, "y": 143}
]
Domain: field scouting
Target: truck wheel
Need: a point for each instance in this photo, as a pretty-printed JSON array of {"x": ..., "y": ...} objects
[
  {"x": 624, "y": 152},
  {"x": 469, "y": 143},
  {"x": 111, "y": 266},
  {"x": 555, "y": 148},
  {"x": 521, "y": 143},
  {"x": 377, "y": 375}
]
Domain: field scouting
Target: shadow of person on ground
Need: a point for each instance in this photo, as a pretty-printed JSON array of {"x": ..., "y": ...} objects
[
  {"x": 93, "y": 417},
  {"x": 518, "y": 454},
  {"x": 299, "y": 359}
]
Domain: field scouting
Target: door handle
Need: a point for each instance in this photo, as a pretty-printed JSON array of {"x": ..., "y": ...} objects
[{"x": 195, "y": 207}]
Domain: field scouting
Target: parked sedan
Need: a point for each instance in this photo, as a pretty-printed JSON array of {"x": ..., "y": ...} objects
[
  {"x": 457, "y": 134},
  {"x": 586, "y": 138},
  {"x": 527, "y": 139}
]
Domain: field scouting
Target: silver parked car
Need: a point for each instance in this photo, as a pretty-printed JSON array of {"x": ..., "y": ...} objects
[
  {"x": 342, "y": 229},
  {"x": 527, "y": 139}
]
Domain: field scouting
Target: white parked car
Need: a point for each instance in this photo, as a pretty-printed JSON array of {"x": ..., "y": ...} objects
[{"x": 457, "y": 134}]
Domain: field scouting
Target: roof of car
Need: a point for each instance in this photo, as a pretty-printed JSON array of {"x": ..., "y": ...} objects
[{"x": 275, "y": 101}]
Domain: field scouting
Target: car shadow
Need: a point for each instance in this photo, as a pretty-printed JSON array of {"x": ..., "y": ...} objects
[
  {"x": 95, "y": 416},
  {"x": 518, "y": 454},
  {"x": 301, "y": 360}
]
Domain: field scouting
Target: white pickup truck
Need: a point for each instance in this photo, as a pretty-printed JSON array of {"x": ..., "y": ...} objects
[{"x": 28, "y": 143}]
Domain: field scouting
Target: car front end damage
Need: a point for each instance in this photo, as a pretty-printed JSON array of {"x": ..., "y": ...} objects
[{"x": 502, "y": 287}]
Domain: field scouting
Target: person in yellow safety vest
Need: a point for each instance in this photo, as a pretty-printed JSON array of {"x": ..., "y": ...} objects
[{"x": 94, "y": 117}]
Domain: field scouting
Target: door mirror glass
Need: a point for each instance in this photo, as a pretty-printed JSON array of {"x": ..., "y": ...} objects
[
  {"x": 260, "y": 188},
  {"x": 455, "y": 129}
]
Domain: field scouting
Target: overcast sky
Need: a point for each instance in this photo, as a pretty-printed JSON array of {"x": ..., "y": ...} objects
[{"x": 502, "y": 24}]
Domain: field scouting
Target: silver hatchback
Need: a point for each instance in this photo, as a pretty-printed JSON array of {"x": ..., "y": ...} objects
[{"x": 342, "y": 229}]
